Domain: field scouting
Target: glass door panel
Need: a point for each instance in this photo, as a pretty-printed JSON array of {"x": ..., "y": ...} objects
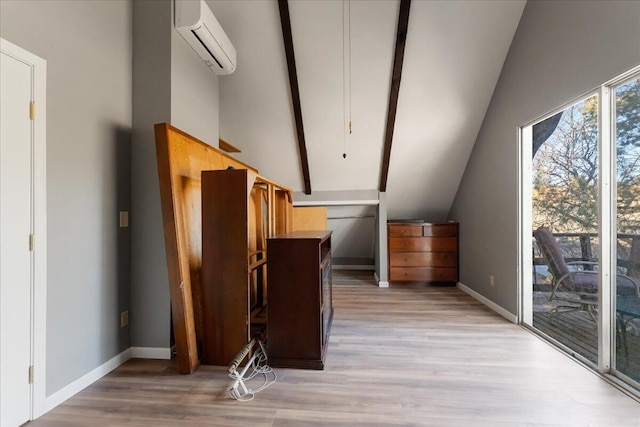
[
  {"x": 564, "y": 179},
  {"x": 627, "y": 301}
]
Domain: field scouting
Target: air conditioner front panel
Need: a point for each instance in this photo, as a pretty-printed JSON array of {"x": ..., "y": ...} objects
[
  {"x": 199, "y": 27},
  {"x": 214, "y": 54}
]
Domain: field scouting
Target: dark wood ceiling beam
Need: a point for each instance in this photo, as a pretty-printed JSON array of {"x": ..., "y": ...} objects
[
  {"x": 285, "y": 21},
  {"x": 401, "y": 38}
]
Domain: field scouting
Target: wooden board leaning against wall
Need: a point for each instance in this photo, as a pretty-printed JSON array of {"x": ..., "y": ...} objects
[
  {"x": 181, "y": 160},
  {"x": 307, "y": 218}
]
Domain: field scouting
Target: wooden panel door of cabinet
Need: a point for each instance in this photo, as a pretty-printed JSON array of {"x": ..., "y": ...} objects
[
  {"x": 225, "y": 290},
  {"x": 239, "y": 211}
]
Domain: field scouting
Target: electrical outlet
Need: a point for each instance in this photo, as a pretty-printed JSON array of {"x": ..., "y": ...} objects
[
  {"x": 124, "y": 318},
  {"x": 492, "y": 281}
]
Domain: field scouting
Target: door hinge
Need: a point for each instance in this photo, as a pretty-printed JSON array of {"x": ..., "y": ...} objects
[
  {"x": 32, "y": 110},
  {"x": 32, "y": 242},
  {"x": 31, "y": 374}
]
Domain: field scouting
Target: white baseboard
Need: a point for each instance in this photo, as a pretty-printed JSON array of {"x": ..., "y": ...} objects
[
  {"x": 86, "y": 380},
  {"x": 353, "y": 267},
  {"x": 492, "y": 305},
  {"x": 381, "y": 283},
  {"x": 151, "y": 353}
]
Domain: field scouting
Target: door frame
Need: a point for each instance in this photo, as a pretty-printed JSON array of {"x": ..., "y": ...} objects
[
  {"x": 525, "y": 221},
  {"x": 38, "y": 222}
]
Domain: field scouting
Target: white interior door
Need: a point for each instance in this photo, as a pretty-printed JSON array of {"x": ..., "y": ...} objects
[{"x": 16, "y": 284}]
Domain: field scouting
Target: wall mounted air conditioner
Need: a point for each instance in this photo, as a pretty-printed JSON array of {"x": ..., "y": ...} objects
[{"x": 200, "y": 28}]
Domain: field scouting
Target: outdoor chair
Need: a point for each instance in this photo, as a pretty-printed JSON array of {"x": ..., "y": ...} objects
[{"x": 572, "y": 284}]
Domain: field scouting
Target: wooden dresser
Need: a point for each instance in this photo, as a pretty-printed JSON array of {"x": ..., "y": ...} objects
[{"x": 423, "y": 252}]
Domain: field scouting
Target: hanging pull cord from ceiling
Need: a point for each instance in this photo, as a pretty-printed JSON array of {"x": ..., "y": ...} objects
[
  {"x": 349, "y": 38},
  {"x": 346, "y": 75}
]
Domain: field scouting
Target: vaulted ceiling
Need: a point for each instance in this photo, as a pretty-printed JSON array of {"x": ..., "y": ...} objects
[{"x": 453, "y": 57}]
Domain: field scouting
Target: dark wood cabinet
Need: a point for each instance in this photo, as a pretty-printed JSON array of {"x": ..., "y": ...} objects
[
  {"x": 423, "y": 252},
  {"x": 239, "y": 210},
  {"x": 300, "y": 299}
]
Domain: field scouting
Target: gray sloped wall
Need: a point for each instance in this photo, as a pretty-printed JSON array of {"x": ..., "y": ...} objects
[{"x": 561, "y": 50}]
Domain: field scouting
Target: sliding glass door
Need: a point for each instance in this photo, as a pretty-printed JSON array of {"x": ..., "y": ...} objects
[
  {"x": 564, "y": 201},
  {"x": 627, "y": 302},
  {"x": 580, "y": 227}
]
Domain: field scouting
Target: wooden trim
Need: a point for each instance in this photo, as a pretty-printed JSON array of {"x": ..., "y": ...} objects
[
  {"x": 257, "y": 264},
  {"x": 401, "y": 38},
  {"x": 166, "y": 127},
  {"x": 180, "y": 292},
  {"x": 254, "y": 253},
  {"x": 225, "y": 146},
  {"x": 259, "y": 179},
  {"x": 285, "y": 21}
]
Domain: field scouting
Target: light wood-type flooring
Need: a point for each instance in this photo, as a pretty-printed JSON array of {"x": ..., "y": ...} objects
[
  {"x": 578, "y": 331},
  {"x": 402, "y": 356}
]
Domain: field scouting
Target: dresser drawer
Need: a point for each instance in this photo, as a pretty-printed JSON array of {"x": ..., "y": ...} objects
[
  {"x": 421, "y": 259},
  {"x": 423, "y": 244},
  {"x": 441, "y": 230},
  {"x": 405, "y": 230},
  {"x": 423, "y": 274}
]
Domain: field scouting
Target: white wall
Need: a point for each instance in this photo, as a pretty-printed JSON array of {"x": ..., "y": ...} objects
[
  {"x": 87, "y": 46},
  {"x": 95, "y": 166},
  {"x": 194, "y": 92},
  {"x": 561, "y": 50},
  {"x": 171, "y": 84},
  {"x": 353, "y": 218},
  {"x": 150, "y": 324},
  {"x": 453, "y": 57},
  {"x": 454, "y": 53},
  {"x": 354, "y": 231},
  {"x": 256, "y": 114}
]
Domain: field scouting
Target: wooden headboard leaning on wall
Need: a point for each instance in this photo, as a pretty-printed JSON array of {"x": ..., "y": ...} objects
[{"x": 181, "y": 159}]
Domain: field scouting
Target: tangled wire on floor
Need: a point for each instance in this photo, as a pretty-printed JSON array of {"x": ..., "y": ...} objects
[{"x": 257, "y": 365}]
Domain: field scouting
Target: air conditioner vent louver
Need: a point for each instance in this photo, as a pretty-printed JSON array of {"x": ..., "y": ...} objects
[{"x": 205, "y": 46}]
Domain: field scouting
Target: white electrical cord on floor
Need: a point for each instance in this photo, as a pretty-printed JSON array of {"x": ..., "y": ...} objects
[{"x": 256, "y": 365}]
